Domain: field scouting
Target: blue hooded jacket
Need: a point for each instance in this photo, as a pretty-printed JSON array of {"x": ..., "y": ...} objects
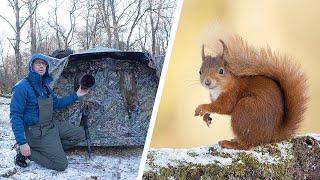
[{"x": 24, "y": 109}]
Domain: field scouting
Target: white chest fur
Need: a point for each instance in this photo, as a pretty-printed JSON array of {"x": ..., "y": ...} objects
[{"x": 215, "y": 93}]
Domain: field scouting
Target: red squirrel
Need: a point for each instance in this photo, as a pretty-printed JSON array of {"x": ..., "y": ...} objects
[{"x": 264, "y": 92}]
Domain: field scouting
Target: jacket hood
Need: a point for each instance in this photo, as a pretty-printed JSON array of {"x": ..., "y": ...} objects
[{"x": 34, "y": 76}]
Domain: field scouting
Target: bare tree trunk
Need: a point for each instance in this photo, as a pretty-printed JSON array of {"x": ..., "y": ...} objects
[
  {"x": 153, "y": 35},
  {"x": 134, "y": 23},
  {"x": 87, "y": 43},
  {"x": 143, "y": 38},
  {"x": 94, "y": 31},
  {"x": 91, "y": 24},
  {"x": 104, "y": 11},
  {"x": 33, "y": 38},
  {"x": 154, "y": 26},
  {"x": 68, "y": 38},
  {"x": 60, "y": 31},
  {"x": 4, "y": 73},
  {"x": 19, "y": 23},
  {"x": 56, "y": 25},
  {"x": 16, "y": 46},
  {"x": 115, "y": 25}
]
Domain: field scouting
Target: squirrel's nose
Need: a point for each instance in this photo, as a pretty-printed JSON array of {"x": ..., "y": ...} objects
[{"x": 207, "y": 82}]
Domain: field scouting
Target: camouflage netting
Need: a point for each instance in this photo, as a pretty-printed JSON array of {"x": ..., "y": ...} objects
[
  {"x": 120, "y": 103},
  {"x": 298, "y": 158}
]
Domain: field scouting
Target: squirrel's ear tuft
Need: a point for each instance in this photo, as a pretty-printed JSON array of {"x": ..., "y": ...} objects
[
  {"x": 202, "y": 52},
  {"x": 225, "y": 49}
]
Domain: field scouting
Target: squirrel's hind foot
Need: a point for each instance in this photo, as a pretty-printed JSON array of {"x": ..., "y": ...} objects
[{"x": 233, "y": 144}]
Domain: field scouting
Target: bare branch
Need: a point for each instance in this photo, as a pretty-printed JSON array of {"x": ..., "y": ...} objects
[
  {"x": 124, "y": 10},
  {"x": 31, "y": 14},
  {"x": 8, "y": 23},
  {"x": 24, "y": 3},
  {"x": 12, "y": 4},
  {"x": 135, "y": 22},
  {"x": 11, "y": 42}
]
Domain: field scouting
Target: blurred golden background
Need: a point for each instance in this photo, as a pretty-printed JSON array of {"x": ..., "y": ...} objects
[{"x": 288, "y": 26}]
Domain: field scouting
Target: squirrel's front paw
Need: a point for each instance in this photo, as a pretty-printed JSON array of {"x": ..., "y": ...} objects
[{"x": 201, "y": 110}]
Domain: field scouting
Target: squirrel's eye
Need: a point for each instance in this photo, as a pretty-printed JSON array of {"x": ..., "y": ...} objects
[
  {"x": 220, "y": 71},
  {"x": 200, "y": 72}
]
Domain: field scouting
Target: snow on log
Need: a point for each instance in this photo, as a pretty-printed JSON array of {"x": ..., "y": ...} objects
[{"x": 298, "y": 158}]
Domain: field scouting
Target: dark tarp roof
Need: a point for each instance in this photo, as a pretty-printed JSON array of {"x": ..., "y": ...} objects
[{"x": 102, "y": 52}]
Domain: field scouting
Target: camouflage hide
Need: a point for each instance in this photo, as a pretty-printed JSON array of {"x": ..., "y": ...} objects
[{"x": 121, "y": 101}]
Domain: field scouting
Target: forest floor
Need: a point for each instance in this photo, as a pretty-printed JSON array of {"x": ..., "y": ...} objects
[{"x": 106, "y": 163}]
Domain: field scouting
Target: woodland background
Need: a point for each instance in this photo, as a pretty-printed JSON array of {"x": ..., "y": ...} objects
[{"x": 39, "y": 26}]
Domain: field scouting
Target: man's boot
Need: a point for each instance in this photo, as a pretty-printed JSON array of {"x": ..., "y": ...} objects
[{"x": 20, "y": 160}]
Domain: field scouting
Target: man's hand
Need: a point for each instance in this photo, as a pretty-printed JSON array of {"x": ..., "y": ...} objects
[
  {"x": 25, "y": 150},
  {"x": 82, "y": 92}
]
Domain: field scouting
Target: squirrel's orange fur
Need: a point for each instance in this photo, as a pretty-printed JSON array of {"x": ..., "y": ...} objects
[{"x": 264, "y": 92}]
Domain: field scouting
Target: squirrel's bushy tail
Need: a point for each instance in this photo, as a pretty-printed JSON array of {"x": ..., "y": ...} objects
[{"x": 244, "y": 60}]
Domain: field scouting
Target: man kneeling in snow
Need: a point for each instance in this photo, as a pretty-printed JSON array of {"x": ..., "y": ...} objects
[{"x": 40, "y": 138}]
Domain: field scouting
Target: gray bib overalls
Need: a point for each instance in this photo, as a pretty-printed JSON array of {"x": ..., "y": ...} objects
[{"x": 48, "y": 139}]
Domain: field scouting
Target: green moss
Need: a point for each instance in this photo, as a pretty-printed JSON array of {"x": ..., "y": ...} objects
[
  {"x": 197, "y": 171},
  {"x": 214, "y": 171},
  {"x": 248, "y": 160},
  {"x": 215, "y": 152},
  {"x": 238, "y": 169},
  {"x": 244, "y": 166}
]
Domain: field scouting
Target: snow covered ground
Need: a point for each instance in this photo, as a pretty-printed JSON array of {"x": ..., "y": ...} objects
[{"x": 111, "y": 163}]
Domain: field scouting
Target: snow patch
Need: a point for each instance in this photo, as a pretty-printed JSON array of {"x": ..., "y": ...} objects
[
  {"x": 173, "y": 157},
  {"x": 215, "y": 154},
  {"x": 4, "y": 101},
  {"x": 121, "y": 165}
]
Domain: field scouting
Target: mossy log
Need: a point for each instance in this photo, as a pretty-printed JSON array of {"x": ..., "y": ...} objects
[{"x": 298, "y": 158}]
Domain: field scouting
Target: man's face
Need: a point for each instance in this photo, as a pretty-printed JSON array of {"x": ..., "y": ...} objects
[{"x": 39, "y": 66}]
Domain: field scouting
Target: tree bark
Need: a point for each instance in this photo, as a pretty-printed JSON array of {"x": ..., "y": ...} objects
[
  {"x": 16, "y": 46},
  {"x": 33, "y": 37},
  {"x": 104, "y": 11},
  {"x": 154, "y": 26},
  {"x": 115, "y": 25}
]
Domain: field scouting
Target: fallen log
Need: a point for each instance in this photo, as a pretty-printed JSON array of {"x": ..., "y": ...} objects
[{"x": 298, "y": 158}]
